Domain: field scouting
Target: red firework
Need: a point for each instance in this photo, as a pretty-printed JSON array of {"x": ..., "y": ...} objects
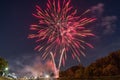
[{"x": 60, "y": 28}]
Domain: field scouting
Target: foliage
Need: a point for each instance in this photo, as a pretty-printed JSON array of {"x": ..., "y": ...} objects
[
  {"x": 3, "y": 78},
  {"x": 3, "y": 65},
  {"x": 106, "y": 66}
]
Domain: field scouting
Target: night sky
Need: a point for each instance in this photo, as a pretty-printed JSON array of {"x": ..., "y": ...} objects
[{"x": 16, "y": 16}]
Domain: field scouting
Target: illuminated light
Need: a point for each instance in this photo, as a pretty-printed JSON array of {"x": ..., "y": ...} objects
[
  {"x": 6, "y": 69},
  {"x": 47, "y": 76}
]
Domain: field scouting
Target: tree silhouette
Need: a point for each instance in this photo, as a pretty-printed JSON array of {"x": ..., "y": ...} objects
[{"x": 3, "y": 65}]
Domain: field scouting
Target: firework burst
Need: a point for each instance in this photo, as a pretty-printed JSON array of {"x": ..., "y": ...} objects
[{"x": 61, "y": 29}]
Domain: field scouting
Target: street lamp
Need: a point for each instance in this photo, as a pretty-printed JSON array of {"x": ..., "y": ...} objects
[
  {"x": 6, "y": 69},
  {"x": 47, "y": 76}
]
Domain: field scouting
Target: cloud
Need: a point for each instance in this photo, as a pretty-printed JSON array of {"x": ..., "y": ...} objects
[
  {"x": 97, "y": 10},
  {"x": 107, "y": 24},
  {"x": 32, "y": 66}
]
